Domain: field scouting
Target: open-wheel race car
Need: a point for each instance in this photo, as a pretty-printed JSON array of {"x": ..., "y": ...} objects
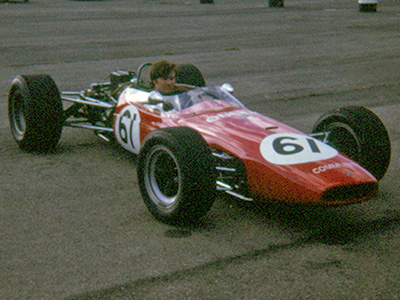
[{"x": 203, "y": 141}]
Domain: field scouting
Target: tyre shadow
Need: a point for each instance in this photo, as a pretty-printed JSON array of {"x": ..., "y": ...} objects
[
  {"x": 96, "y": 145},
  {"x": 315, "y": 224}
]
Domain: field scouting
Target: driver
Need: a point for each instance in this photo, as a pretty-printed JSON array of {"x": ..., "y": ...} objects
[{"x": 163, "y": 77}]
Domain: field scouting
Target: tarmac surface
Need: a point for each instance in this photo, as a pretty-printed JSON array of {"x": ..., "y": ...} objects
[{"x": 73, "y": 224}]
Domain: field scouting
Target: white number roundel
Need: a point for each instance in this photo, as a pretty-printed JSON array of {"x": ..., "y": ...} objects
[
  {"x": 127, "y": 130},
  {"x": 292, "y": 148}
]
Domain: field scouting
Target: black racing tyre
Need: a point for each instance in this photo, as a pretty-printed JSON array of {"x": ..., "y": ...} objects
[
  {"x": 189, "y": 74},
  {"x": 276, "y": 3},
  {"x": 360, "y": 134},
  {"x": 368, "y": 7},
  {"x": 176, "y": 175},
  {"x": 35, "y": 112}
]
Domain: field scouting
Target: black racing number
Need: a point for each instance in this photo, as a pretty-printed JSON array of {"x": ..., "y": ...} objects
[
  {"x": 290, "y": 148},
  {"x": 123, "y": 130},
  {"x": 313, "y": 146},
  {"x": 126, "y": 123},
  {"x": 286, "y": 148},
  {"x": 131, "y": 130}
]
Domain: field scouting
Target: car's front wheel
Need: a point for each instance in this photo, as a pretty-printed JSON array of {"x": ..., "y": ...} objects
[
  {"x": 176, "y": 175},
  {"x": 360, "y": 134}
]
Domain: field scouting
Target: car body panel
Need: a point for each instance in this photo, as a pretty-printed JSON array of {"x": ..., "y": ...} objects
[{"x": 281, "y": 162}]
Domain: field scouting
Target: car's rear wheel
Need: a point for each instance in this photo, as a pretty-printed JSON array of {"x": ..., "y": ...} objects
[
  {"x": 360, "y": 134},
  {"x": 189, "y": 74},
  {"x": 176, "y": 175},
  {"x": 35, "y": 112}
]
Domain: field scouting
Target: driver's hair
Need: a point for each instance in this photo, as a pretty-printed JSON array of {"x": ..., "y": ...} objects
[{"x": 161, "y": 69}]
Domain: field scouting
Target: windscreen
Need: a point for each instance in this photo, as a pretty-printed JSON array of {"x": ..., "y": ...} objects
[{"x": 196, "y": 96}]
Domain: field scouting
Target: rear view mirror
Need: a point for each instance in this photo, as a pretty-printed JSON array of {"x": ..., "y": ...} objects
[{"x": 227, "y": 87}]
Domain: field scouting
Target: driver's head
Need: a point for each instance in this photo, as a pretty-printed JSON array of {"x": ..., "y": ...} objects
[{"x": 163, "y": 76}]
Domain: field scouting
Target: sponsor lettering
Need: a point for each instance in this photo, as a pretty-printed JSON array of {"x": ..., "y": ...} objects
[{"x": 328, "y": 167}]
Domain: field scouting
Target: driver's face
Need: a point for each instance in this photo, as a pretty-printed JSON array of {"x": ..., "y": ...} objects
[{"x": 167, "y": 85}]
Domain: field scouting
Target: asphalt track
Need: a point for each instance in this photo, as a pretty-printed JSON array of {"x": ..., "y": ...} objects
[{"x": 73, "y": 225}]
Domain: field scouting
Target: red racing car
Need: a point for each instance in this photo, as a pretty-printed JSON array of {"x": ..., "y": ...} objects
[{"x": 203, "y": 141}]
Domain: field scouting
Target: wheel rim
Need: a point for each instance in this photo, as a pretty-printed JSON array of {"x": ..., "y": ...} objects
[
  {"x": 162, "y": 177},
  {"x": 344, "y": 139},
  {"x": 17, "y": 117}
]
